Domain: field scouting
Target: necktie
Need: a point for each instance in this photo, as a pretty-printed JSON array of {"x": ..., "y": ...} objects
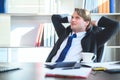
[{"x": 65, "y": 50}]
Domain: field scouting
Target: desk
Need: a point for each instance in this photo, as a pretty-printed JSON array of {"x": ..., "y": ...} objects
[{"x": 35, "y": 71}]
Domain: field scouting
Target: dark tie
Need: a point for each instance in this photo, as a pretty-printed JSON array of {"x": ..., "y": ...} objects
[{"x": 65, "y": 50}]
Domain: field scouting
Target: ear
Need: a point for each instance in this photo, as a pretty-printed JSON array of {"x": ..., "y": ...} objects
[{"x": 87, "y": 23}]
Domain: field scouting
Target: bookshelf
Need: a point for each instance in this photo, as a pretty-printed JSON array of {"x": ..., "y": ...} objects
[
  {"x": 33, "y": 20},
  {"x": 27, "y": 15}
]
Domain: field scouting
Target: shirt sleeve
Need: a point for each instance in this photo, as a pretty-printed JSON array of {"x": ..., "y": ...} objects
[
  {"x": 69, "y": 18},
  {"x": 97, "y": 21}
]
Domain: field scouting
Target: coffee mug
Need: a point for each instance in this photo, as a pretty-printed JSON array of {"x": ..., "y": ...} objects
[{"x": 88, "y": 57}]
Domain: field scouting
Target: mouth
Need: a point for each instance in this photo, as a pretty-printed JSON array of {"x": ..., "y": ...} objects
[{"x": 73, "y": 24}]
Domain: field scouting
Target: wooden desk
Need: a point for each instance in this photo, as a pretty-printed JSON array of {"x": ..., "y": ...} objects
[{"x": 35, "y": 71}]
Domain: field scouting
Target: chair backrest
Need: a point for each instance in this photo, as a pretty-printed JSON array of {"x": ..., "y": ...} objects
[{"x": 100, "y": 53}]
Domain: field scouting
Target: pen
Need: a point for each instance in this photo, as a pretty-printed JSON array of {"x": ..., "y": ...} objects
[
  {"x": 99, "y": 69},
  {"x": 82, "y": 65}
]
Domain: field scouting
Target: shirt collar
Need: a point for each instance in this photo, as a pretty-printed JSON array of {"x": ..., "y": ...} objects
[{"x": 79, "y": 34}]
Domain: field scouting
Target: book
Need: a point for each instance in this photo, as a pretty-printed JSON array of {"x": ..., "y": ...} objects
[
  {"x": 100, "y": 6},
  {"x": 112, "y": 7},
  {"x": 107, "y": 10},
  {"x": 82, "y": 72},
  {"x": 2, "y": 6},
  {"x": 105, "y": 6},
  {"x": 49, "y": 35},
  {"x": 45, "y": 36},
  {"x": 39, "y": 35},
  {"x": 117, "y": 6},
  {"x": 88, "y": 5},
  {"x": 95, "y": 8}
]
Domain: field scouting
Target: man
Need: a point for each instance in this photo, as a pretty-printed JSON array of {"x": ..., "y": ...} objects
[{"x": 87, "y": 38}]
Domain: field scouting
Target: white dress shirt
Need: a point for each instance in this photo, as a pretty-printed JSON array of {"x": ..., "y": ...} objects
[{"x": 73, "y": 53}]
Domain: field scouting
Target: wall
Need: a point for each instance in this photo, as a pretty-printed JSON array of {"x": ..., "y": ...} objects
[{"x": 4, "y": 30}]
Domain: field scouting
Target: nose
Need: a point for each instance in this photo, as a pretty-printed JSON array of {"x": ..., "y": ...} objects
[{"x": 73, "y": 19}]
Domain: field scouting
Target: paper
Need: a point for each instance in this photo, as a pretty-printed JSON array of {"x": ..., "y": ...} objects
[
  {"x": 107, "y": 65},
  {"x": 83, "y": 72}
]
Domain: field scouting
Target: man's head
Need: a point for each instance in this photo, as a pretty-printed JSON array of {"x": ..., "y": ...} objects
[{"x": 80, "y": 20}]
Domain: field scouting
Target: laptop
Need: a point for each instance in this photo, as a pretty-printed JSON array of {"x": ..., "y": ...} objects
[{"x": 6, "y": 67}]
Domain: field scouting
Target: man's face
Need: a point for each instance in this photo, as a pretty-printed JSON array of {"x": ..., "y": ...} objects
[{"x": 78, "y": 23}]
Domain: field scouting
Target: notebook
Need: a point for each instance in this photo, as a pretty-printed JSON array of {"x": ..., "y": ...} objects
[{"x": 82, "y": 72}]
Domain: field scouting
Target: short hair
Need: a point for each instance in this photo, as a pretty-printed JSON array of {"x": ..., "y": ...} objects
[{"x": 85, "y": 14}]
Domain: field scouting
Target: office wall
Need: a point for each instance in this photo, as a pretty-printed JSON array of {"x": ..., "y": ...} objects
[
  {"x": 4, "y": 30},
  {"x": 65, "y": 7},
  {"x": 22, "y": 6},
  {"x": 23, "y": 32}
]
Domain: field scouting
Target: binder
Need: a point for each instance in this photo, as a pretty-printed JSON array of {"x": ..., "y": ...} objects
[
  {"x": 2, "y": 6},
  {"x": 112, "y": 2}
]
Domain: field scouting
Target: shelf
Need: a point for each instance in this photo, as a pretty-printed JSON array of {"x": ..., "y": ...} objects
[
  {"x": 26, "y": 14},
  {"x": 48, "y": 15},
  {"x": 113, "y": 46},
  {"x": 30, "y": 14},
  {"x": 109, "y": 14},
  {"x": 19, "y": 47}
]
